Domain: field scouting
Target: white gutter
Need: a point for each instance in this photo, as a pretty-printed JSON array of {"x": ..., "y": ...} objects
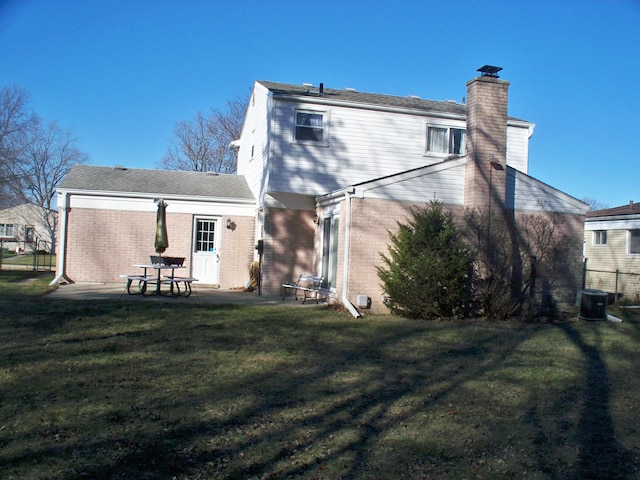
[
  {"x": 154, "y": 196},
  {"x": 347, "y": 244},
  {"x": 62, "y": 241}
]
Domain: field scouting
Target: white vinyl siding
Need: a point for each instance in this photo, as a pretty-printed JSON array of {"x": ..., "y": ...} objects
[
  {"x": 364, "y": 145},
  {"x": 445, "y": 185},
  {"x": 253, "y": 154},
  {"x": 530, "y": 194},
  {"x": 518, "y": 148},
  {"x": 602, "y": 263}
]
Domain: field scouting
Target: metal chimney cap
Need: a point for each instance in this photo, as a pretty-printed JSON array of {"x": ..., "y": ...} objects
[{"x": 489, "y": 71}]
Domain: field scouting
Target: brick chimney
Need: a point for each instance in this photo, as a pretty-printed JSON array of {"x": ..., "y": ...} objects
[{"x": 485, "y": 170}]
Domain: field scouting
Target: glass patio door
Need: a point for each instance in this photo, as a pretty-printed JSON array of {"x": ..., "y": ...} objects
[{"x": 330, "y": 251}]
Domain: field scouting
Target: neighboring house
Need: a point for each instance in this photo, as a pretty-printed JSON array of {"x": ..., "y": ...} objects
[
  {"x": 108, "y": 223},
  {"x": 612, "y": 250},
  {"x": 334, "y": 170},
  {"x": 327, "y": 175},
  {"x": 26, "y": 228}
]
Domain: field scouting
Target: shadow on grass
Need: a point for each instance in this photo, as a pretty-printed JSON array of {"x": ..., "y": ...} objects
[
  {"x": 138, "y": 391},
  {"x": 601, "y": 455}
]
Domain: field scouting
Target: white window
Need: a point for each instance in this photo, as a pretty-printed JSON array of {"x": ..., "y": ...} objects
[
  {"x": 600, "y": 237},
  {"x": 446, "y": 140},
  {"x": 310, "y": 126},
  {"x": 6, "y": 230},
  {"x": 634, "y": 242}
]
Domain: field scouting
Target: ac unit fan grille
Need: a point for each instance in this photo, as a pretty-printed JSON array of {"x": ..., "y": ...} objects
[{"x": 593, "y": 305}]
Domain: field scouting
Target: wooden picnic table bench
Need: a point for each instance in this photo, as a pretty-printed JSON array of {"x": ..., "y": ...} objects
[{"x": 308, "y": 286}]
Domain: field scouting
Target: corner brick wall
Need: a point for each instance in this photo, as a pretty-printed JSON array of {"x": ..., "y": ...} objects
[
  {"x": 236, "y": 251},
  {"x": 103, "y": 244},
  {"x": 288, "y": 252},
  {"x": 372, "y": 220}
]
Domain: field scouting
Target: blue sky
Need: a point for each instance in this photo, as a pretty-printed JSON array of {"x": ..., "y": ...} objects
[{"x": 121, "y": 74}]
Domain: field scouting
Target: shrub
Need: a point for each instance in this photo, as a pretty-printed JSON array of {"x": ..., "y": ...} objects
[
  {"x": 426, "y": 271},
  {"x": 512, "y": 254}
]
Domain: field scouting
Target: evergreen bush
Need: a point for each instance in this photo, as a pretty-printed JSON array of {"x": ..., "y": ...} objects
[{"x": 426, "y": 271}]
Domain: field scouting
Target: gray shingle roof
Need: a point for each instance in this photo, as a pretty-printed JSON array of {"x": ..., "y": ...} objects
[
  {"x": 156, "y": 182},
  {"x": 371, "y": 99},
  {"x": 352, "y": 96},
  {"x": 630, "y": 209}
]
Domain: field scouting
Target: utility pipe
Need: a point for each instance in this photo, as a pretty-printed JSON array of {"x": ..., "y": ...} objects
[
  {"x": 347, "y": 244},
  {"x": 62, "y": 241}
]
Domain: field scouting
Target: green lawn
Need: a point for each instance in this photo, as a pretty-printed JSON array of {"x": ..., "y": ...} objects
[
  {"x": 135, "y": 390},
  {"x": 27, "y": 260}
]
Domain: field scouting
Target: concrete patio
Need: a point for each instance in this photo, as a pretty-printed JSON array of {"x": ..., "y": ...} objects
[{"x": 202, "y": 295}]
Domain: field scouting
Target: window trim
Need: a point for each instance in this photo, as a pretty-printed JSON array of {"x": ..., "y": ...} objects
[
  {"x": 325, "y": 126},
  {"x": 449, "y": 127},
  {"x": 6, "y": 228},
  {"x": 629, "y": 252},
  {"x": 596, "y": 239}
]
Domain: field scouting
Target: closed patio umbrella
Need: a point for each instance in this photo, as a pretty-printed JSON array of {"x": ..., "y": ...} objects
[{"x": 162, "y": 238}]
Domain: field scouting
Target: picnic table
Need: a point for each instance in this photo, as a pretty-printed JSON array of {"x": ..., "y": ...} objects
[{"x": 152, "y": 275}]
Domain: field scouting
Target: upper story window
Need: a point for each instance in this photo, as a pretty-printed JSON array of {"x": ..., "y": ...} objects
[
  {"x": 600, "y": 237},
  {"x": 6, "y": 230},
  {"x": 634, "y": 241},
  {"x": 445, "y": 140},
  {"x": 310, "y": 126}
]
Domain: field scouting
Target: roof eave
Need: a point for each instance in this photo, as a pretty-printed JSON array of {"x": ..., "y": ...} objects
[{"x": 153, "y": 196}]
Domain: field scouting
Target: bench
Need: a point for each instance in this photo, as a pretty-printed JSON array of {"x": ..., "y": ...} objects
[
  {"x": 142, "y": 282},
  {"x": 177, "y": 280},
  {"x": 309, "y": 287}
]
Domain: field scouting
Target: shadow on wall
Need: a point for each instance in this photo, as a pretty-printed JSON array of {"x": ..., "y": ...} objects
[{"x": 289, "y": 247}]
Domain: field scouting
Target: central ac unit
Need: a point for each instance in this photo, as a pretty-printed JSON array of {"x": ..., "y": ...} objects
[{"x": 593, "y": 304}]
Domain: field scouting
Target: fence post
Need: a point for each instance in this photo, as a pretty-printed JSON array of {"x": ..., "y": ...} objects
[
  {"x": 615, "y": 298},
  {"x": 584, "y": 273}
]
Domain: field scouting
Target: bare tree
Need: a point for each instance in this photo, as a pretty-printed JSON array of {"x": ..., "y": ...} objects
[
  {"x": 595, "y": 204},
  {"x": 47, "y": 153},
  {"x": 15, "y": 119},
  {"x": 202, "y": 143}
]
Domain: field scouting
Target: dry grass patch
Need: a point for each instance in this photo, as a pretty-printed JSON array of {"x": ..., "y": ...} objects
[{"x": 158, "y": 391}]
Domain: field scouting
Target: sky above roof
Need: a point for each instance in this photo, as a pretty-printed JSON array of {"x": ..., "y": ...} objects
[{"x": 120, "y": 74}]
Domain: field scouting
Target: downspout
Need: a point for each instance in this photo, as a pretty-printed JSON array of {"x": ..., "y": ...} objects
[
  {"x": 347, "y": 245},
  {"x": 62, "y": 242}
]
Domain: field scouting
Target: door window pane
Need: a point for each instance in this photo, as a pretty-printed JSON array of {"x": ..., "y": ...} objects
[{"x": 205, "y": 236}]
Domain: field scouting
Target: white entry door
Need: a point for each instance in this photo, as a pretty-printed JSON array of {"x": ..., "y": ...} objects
[{"x": 206, "y": 250}]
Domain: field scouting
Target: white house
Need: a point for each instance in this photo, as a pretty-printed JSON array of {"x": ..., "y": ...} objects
[
  {"x": 333, "y": 170},
  {"x": 27, "y": 227},
  {"x": 612, "y": 250},
  {"x": 323, "y": 175}
]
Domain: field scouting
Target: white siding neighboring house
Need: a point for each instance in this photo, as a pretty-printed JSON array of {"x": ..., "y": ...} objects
[
  {"x": 612, "y": 250},
  {"x": 27, "y": 227}
]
